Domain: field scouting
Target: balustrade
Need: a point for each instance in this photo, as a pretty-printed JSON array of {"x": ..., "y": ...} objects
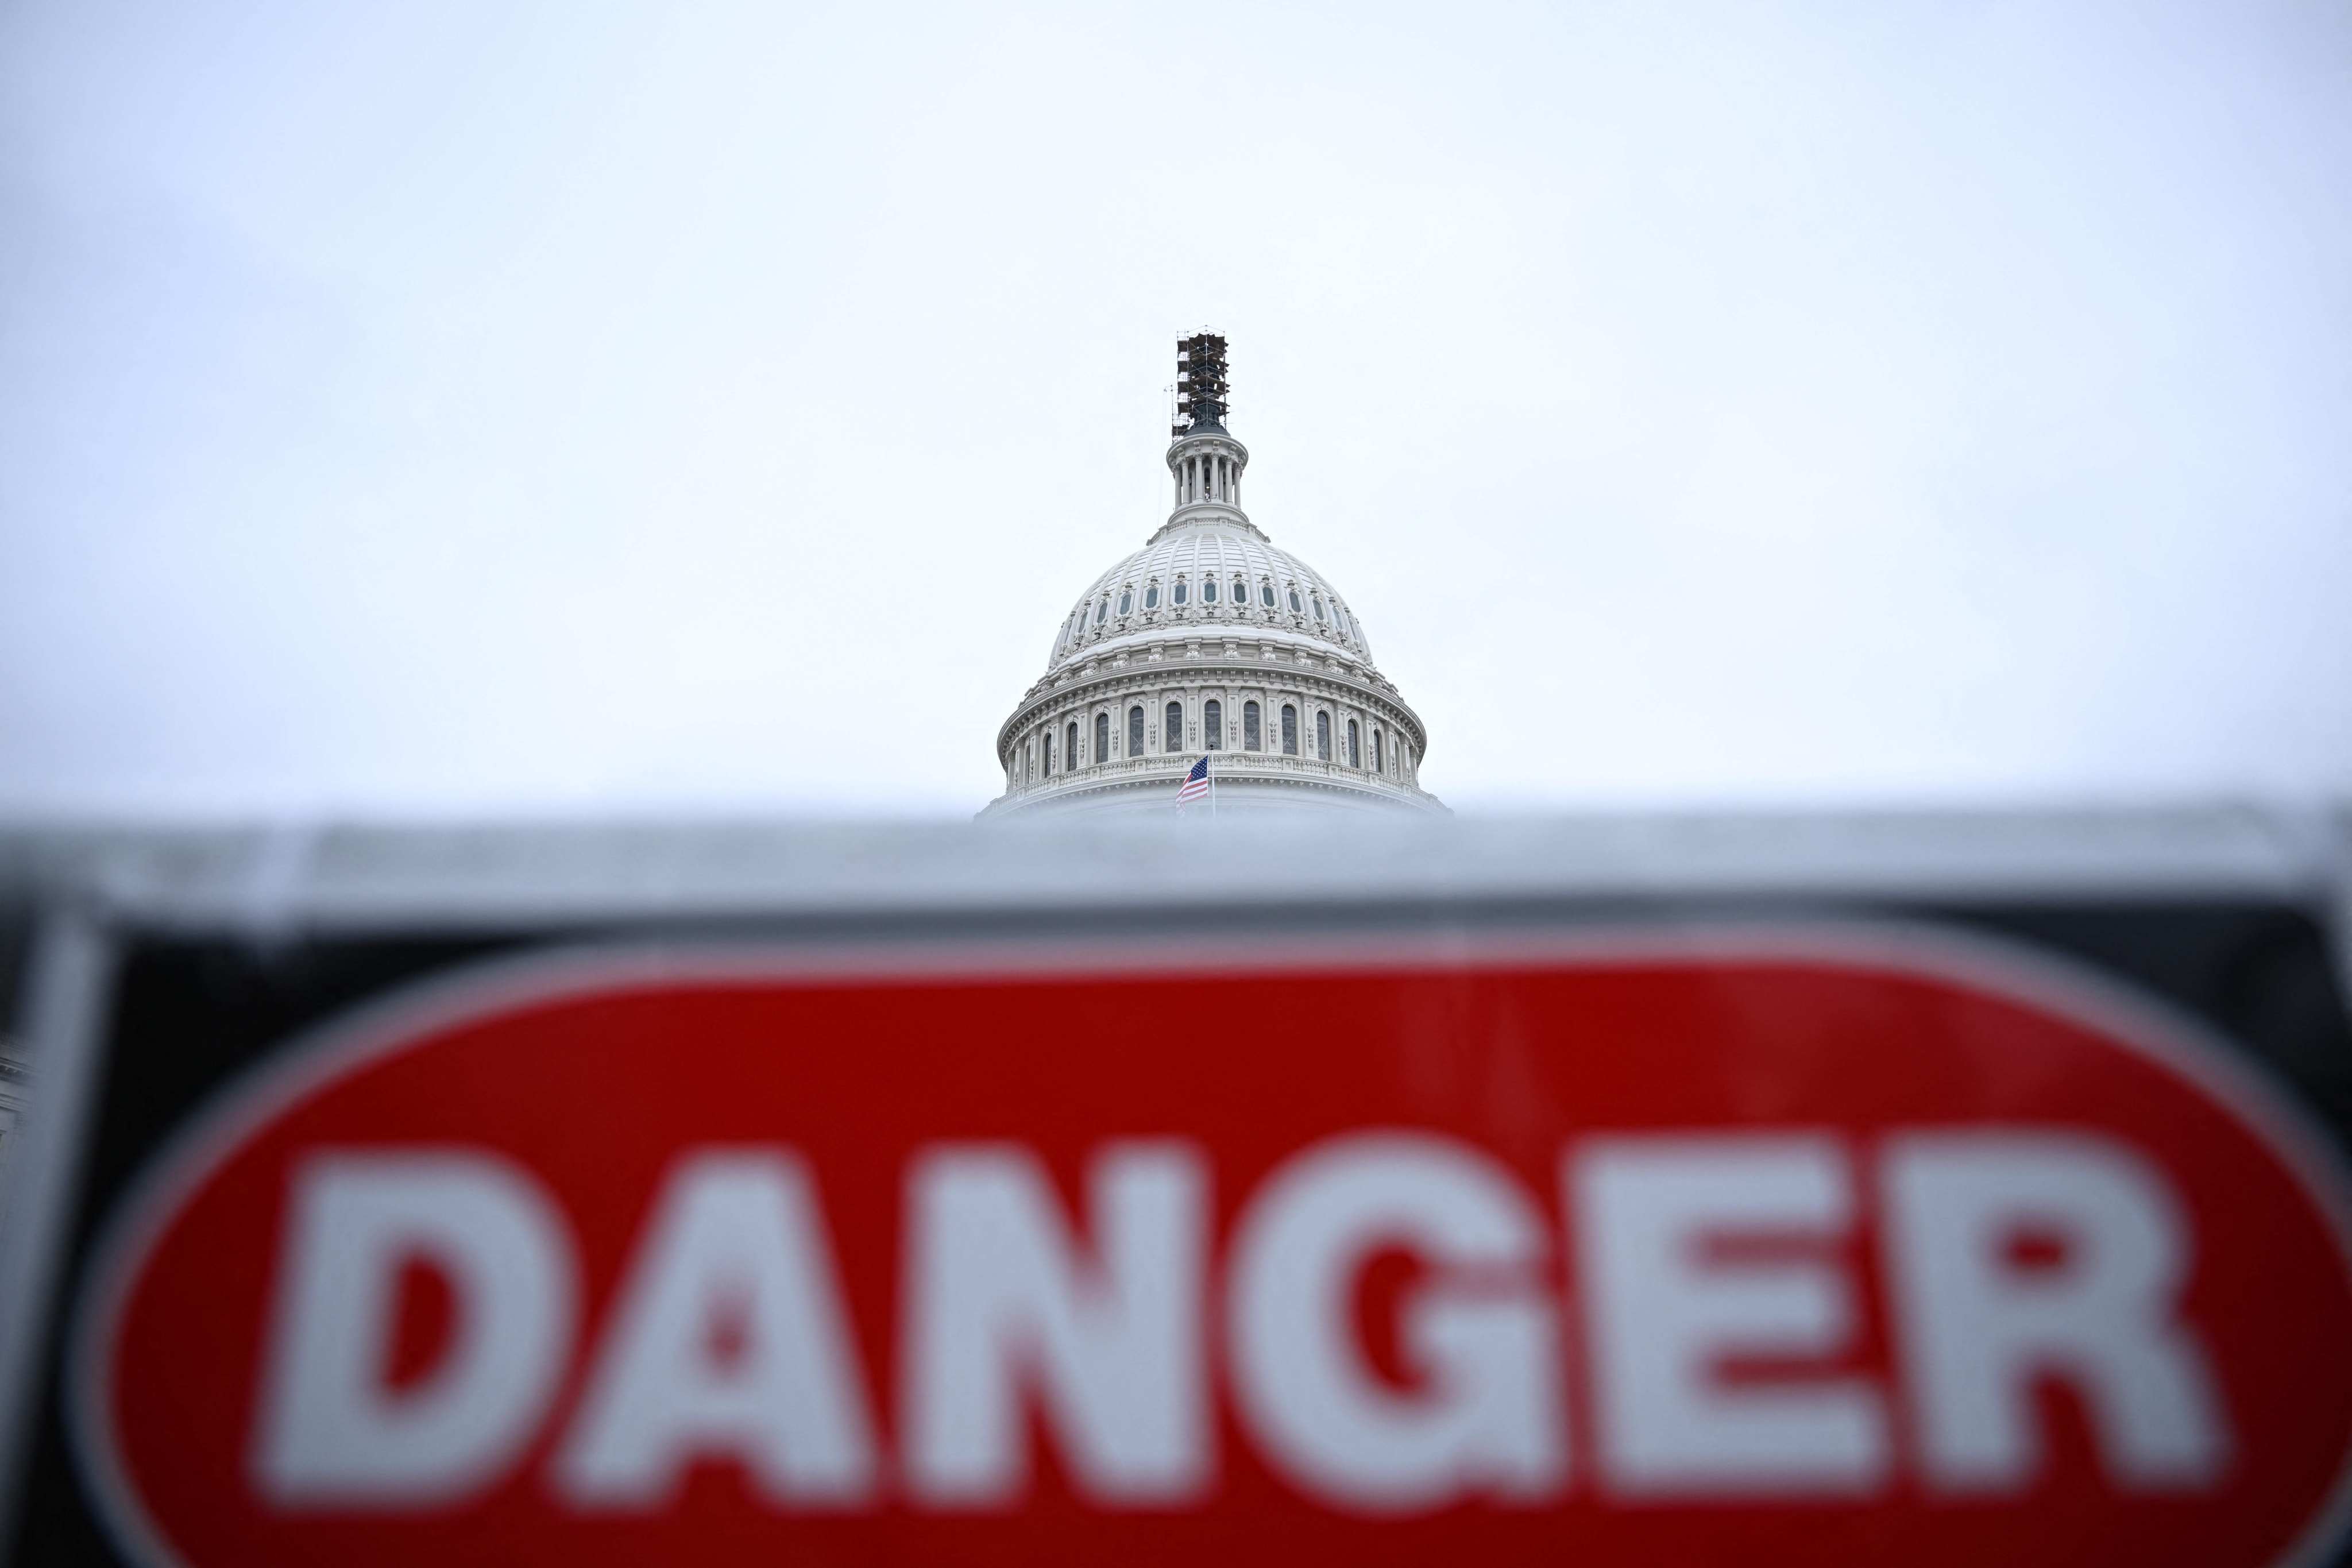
[{"x": 1232, "y": 765}]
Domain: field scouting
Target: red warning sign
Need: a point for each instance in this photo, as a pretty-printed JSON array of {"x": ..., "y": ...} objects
[{"x": 1836, "y": 1247}]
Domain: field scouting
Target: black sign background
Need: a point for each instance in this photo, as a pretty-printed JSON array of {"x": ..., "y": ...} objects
[{"x": 189, "y": 1013}]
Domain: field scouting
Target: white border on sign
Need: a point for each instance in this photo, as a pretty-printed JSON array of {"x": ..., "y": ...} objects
[{"x": 315, "y": 1057}]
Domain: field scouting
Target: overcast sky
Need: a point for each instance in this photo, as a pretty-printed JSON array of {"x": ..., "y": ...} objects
[{"x": 446, "y": 408}]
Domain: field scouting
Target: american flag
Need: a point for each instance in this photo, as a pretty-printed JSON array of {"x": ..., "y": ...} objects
[{"x": 1196, "y": 784}]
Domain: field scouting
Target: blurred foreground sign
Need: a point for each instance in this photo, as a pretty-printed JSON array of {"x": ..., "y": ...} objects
[{"x": 1695, "y": 1242}]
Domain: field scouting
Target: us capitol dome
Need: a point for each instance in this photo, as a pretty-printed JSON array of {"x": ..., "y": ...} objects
[{"x": 1209, "y": 641}]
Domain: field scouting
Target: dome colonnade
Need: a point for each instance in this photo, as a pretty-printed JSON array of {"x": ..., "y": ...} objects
[{"x": 1210, "y": 639}]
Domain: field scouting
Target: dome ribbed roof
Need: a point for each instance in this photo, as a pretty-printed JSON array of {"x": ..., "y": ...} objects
[{"x": 1115, "y": 608}]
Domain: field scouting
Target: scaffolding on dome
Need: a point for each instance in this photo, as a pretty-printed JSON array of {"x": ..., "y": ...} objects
[{"x": 1200, "y": 380}]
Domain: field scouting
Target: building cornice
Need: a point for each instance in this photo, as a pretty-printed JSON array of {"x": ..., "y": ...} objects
[{"x": 1232, "y": 770}]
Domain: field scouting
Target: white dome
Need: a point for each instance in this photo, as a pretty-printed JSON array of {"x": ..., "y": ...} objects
[
  {"x": 1210, "y": 559},
  {"x": 1208, "y": 657}
]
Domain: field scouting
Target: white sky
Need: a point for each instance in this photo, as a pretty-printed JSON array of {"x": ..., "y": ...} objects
[{"x": 444, "y": 407}]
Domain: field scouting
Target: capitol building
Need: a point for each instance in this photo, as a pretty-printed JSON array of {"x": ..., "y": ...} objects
[{"x": 1209, "y": 641}]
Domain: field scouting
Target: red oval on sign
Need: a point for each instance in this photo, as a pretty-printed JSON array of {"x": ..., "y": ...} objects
[{"x": 1848, "y": 1247}]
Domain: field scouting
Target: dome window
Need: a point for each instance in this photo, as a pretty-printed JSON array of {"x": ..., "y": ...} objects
[
  {"x": 1355, "y": 744},
  {"x": 1265, "y": 593},
  {"x": 1379, "y": 763},
  {"x": 1322, "y": 736},
  {"x": 1289, "y": 731},
  {"x": 1208, "y": 590},
  {"x": 1296, "y": 608},
  {"x": 1126, "y": 600},
  {"x": 1102, "y": 612},
  {"x": 1135, "y": 730},
  {"x": 1253, "y": 733},
  {"x": 1318, "y": 606},
  {"x": 1212, "y": 725},
  {"x": 1179, "y": 590},
  {"x": 1070, "y": 751},
  {"x": 1151, "y": 595},
  {"x": 1171, "y": 736},
  {"x": 1102, "y": 736}
]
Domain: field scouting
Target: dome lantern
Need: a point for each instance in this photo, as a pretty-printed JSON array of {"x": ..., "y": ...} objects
[{"x": 1203, "y": 458}]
